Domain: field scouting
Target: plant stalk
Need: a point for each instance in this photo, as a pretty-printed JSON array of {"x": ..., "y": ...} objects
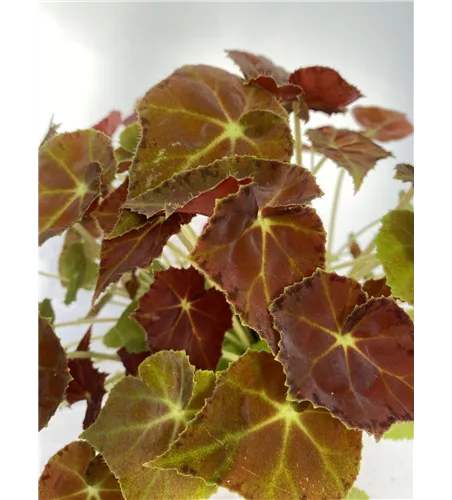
[
  {"x": 92, "y": 355},
  {"x": 86, "y": 321},
  {"x": 337, "y": 192},
  {"x": 297, "y": 127}
]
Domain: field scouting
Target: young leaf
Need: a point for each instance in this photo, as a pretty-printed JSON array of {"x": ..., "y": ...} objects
[
  {"x": 382, "y": 124},
  {"x": 398, "y": 432},
  {"x": 178, "y": 313},
  {"x": 260, "y": 71},
  {"x": 187, "y": 191},
  {"x": 350, "y": 150},
  {"x": 127, "y": 333},
  {"x": 109, "y": 124},
  {"x": 200, "y": 114},
  {"x": 46, "y": 311},
  {"x": 75, "y": 472},
  {"x": 324, "y": 89},
  {"x": 53, "y": 372},
  {"x": 405, "y": 173},
  {"x": 252, "y": 249},
  {"x": 377, "y": 288},
  {"x": 132, "y": 361},
  {"x": 87, "y": 383},
  {"x": 249, "y": 439},
  {"x": 137, "y": 248},
  {"x": 142, "y": 417},
  {"x": 395, "y": 250},
  {"x": 343, "y": 352}
]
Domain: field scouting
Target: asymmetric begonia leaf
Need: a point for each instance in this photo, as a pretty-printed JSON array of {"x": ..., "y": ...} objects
[
  {"x": 187, "y": 191},
  {"x": 137, "y": 248},
  {"x": 76, "y": 472},
  {"x": 395, "y": 250},
  {"x": 400, "y": 431},
  {"x": 260, "y": 240},
  {"x": 377, "y": 288},
  {"x": 405, "y": 173},
  {"x": 357, "y": 494},
  {"x": 350, "y": 150},
  {"x": 382, "y": 124},
  {"x": 127, "y": 333},
  {"x": 200, "y": 114},
  {"x": 324, "y": 89},
  {"x": 179, "y": 313},
  {"x": 343, "y": 352},
  {"x": 46, "y": 310},
  {"x": 109, "y": 124},
  {"x": 87, "y": 384},
  {"x": 131, "y": 360},
  {"x": 53, "y": 372},
  {"x": 260, "y": 71},
  {"x": 143, "y": 416},
  {"x": 249, "y": 439}
]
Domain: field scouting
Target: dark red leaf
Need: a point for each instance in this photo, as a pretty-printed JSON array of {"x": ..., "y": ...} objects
[
  {"x": 108, "y": 211},
  {"x": 132, "y": 361},
  {"x": 324, "y": 89},
  {"x": 109, "y": 124},
  {"x": 377, "y": 288},
  {"x": 179, "y": 313},
  {"x": 382, "y": 124},
  {"x": 87, "y": 383}
]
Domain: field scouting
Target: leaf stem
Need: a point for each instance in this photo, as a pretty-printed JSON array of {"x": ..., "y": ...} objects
[
  {"x": 355, "y": 235},
  {"x": 319, "y": 165},
  {"x": 297, "y": 127},
  {"x": 114, "y": 378},
  {"x": 92, "y": 355},
  {"x": 404, "y": 202},
  {"x": 361, "y": 260},
  {"x": 241, "y": 333},
  {"x": 337, "y": 192},
  {"x": 230, "y": 356},
  {"x": 86, "y": 321},
  {"x": 178, "y": 253},
  {"x": 183, "y": 238}
]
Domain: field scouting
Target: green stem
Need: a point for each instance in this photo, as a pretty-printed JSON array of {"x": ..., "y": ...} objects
[
  {"x": 92, "y": 355},
  {"x": 114, "y": 378},
  {"x": 297, "y": 126},
  {"x": 233, "y": 339},
  {"x": 191, "y": 235},
  {"x": 185, "y": 240},
  {"x": 404, "y": 202},
  {"x": 241, "y": 333},
  {"x": 359, "y": 233},
  {"x": 360, "y": 260},
  {"x": 319, "y": 165},
  {"x": 331, "y": 229},
  {"x": 86, "y": 321},
  {"x": 230, "y": 356},
  {"x": 312, "y": 159},
  {"x": 71, "y": 345},
  {"x": 179, "y": 254},
  {"x": 95, "y": 310}
]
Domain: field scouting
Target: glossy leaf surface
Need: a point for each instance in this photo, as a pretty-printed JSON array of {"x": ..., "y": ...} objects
[
  {"x": 127, "y": 333},
  {"x": 405, "y": 173},
  {"x": 382, "y": 124}
]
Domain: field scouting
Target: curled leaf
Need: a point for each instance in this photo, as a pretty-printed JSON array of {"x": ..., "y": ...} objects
[
  {"x": 257, "y": 242},
  {"x": 53, "y": 372},
  {"x": 249, "y": 439},
  {"x": 382, "y": 124},
  {"x": 324, "y": 89},
  {"x": 87, "y": 383},
  {"x": 395, "y": 250},
  {"x": 343, "y": 352},
  {"x": 179, "y": 313},
  {"x": 350, "y": 150},
  {"x": 405, "y": 173},
  {"x": 200, "y": 114},
  {"x": 76, "y": 472}
]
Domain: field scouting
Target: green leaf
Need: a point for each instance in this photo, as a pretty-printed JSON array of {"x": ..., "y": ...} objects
[
  {"x": 127, "y": 333},
  {"x": 130, "y": 137},
  {"x": 140, "y": 420},
  {"x": 249, "y": 439},
  {"x": 46, "y": 311},
  {"x": 400, "y": 430},
  {"x": 357, "y": 494},
  {"x": 395, "y": 249}
]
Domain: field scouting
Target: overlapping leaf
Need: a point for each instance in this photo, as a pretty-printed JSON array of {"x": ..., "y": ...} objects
[
  {"x": 377, "y": 288},
  {"x": 87, "y": 384},
  {"x": 46, "y": 310},
  {"x": 350, "y": 150},
  {"x": 405, "y": 173},
  {"x": 127, "y": 333},
  {"x": 109, "y": 124},
  {"x": 395, "y": 250},
  {"x": 137, "y": 248},
  {"x": 179, "y": 313},
  {"x": 195, "y": 191},
  {"x": 142, "y": 417},
  {"x": 76, "y": 472},
  {"x": 200, "y": 114},
  {"x": 250, "y": 440},
  {"x": 343, "y": 352},
  {"x": 260, "y": 71},
  {"x": 131, "y": 361},
  {"x": 324, "y": 89},
  {"x": 260, "y": 240},
  {"x": 53, "y": 372},
  {"x": 382, "y": 124}
]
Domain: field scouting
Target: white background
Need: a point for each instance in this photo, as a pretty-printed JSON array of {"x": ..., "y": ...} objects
[{"x": 98, "y": 57}]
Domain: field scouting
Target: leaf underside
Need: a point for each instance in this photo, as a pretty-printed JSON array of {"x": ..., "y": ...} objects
[{"x": 382, "y": 124}]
